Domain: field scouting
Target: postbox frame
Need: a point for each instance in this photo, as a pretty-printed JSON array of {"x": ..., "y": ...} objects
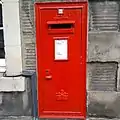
[{"x": 72, "y": 5}]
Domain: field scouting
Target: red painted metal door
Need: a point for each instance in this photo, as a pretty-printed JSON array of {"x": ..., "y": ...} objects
[{"x": 61, "y": 59}]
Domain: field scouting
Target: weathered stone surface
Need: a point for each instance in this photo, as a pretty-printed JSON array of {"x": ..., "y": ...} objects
[
  {"x": 104, "y": 104},
  {"x": 102, "y": 119},
  {"x": 118, "y": 78},
  {"x": 104, "y": 15},
  {"x": 104, "y": 46},
  {"x": 101, "y": 47},
  {"x": 102, "y": 76},
  {"x": 16, "y": 103},
  {"x": 28, "y": 34},
  {"x": 31, "y": 118},
  {"x": 15, "y": 118}
]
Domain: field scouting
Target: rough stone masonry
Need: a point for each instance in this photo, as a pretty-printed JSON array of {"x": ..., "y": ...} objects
[
  {"x": 103, "y": 55},
  {"x": 103, "y": 63}
]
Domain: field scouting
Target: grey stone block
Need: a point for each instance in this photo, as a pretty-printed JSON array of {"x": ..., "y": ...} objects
[
  {"x": 104, "y": 15},
  {"x": 102, "y": 76},
  {"x": 16, "y": 103},
  {"x": 15, "y": 118},
  {"x": 104, "y": 104},
  {"x": 102, "y": 119},
  {"x": 104, "y": 46}
]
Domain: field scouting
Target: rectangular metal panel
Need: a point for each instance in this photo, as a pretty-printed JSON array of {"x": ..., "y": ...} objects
[{"x": 61, "y": 82}]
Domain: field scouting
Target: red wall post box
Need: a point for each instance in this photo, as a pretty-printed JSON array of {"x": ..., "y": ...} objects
[{"x": 61, "y": 37}]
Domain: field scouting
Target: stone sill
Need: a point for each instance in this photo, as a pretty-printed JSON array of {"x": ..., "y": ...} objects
[
  {"x": 10, "y": 0},
  {"x": 12, "y": 84}
]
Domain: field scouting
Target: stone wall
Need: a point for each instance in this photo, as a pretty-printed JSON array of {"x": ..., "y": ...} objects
[
  {"x": 103, "y": 74},
  {"x": 103, "y": 61},
  {"x": 28, "y": 34}
]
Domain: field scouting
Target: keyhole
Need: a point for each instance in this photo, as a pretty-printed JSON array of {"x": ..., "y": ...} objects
[{"x": 47, "y": 71}]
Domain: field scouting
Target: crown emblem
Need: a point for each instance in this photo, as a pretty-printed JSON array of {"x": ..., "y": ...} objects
[{"x": 62, "y": 95}]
